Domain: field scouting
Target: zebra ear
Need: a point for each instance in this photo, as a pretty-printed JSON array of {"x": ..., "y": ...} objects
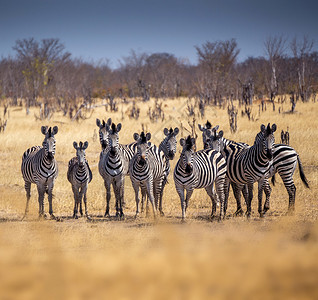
[
  {"x": 263, "y": 128},
  {"x": 220, "y": 134},
  {"x": 55, "y": 130},
  {"x": 182, "y": 142},
  {"x": 85, "y": 145},
  {"x": 215, "y": 128},
  {"x": 166, "y": 131},
  {"x": 44, "y": 130},
  {"x": 98, "y": 123},
  {"x": 176, "y": 131},
  {"x": 118, "y": 127},
  {"x": 201, "y": 127},
  {"x": 75, "y": 145},
  {"x": 274, "y": 127},
  {"x": 148, "y": 136},
  {"x": 136, "y": 136},
  {"x": 109, "y": 122}
]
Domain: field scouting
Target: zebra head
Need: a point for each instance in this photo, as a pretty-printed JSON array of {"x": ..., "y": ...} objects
[
  {"x": 113, "y": 137},
  {"x": 215, "y": 140},
  {"x": 103, "y": 133},
  {"x": 80, "y": 152},
  {"x": 186, "y": 157},
  {"x": 267, "y": 140},
  {"x": 169, "y": 144},
  {"x": 49, "y": 140},
  {"x": 205, "y": 130},
  {"x": 142, "y": 147}
]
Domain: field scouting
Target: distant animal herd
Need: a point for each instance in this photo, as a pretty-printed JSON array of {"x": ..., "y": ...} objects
[{"x": 221, "y": 164}]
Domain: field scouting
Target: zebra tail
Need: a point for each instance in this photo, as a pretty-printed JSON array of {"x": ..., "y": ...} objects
[
  {"x": 302, "y": 174},
  {"x": 273, "y": 180}
]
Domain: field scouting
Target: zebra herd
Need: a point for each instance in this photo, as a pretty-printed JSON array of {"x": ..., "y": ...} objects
[{"x": 221, "y": 164}]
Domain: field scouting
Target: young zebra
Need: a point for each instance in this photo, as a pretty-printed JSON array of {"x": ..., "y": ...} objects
[
  {"x": 114, "y": 166},
  {"x": 169, "y": 147},
  {"x": 79, "y": 175},
  {"x": 248, "y": 165},
  {"x": 285, "y": 160},
  {"x": 40, "y": 167},
  {"x": 199, "y": 169},
  {"x": 146, "y": 170}
]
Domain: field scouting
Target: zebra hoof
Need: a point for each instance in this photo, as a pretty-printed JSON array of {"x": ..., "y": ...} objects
[
  {"x": 238, "y": 213},
  {"x": 88, "y": 217},
  {"x": 106, "y": 215},
  {"x": 162, "y": 214}
]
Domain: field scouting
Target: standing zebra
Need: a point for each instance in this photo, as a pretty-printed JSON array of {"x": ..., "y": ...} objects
[
  {"x": 147, "y": 172},
  {"x": 114, "y": 166},
  {"x": 79, "y": 175},
  {"x": 208, "y": 134},
  {"x": 248, "y": 165},
  {"x": 40, "y": 167},
  {"x": 169, "y": 148},
  {"x": 285, "y": 160},
  {"x": 199, "y": 169}
]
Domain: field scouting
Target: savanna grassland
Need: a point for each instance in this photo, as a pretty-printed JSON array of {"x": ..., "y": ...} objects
[{"x": 269, "y": 258}]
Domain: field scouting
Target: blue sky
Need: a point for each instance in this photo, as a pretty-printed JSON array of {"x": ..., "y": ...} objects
[{"x": 95, "y": 29}]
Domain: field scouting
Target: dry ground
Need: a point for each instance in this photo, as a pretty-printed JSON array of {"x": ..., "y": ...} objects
[{"x": 274, "y": 257}]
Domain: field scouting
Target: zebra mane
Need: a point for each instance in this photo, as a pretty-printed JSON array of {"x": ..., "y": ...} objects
[
  {"x": 170, "y": 131},
  {"x": 49, "y": 132},
  {"x": 208, "y": 125},
  {"x": 143, "y": 138},
  {"x": 189, "y": 143},
  {"x": 80, "y": 145},
  {"x": 114, "y": 129}
]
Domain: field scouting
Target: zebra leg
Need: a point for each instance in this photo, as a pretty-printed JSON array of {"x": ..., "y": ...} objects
[
  {"x": 189, "y": 194},
  {"x": 160, "y": 200},
  {"x": 136, "y": 189},
  {"x": 226, "y": 192},
  {"x": 261, "y": 184},
  {"x": 180, "y": 192},
  {"x": 151, "y": 197},
  {"x": 107, "y": 186},
  {"x": 27, "y": 186},
  {"x": 80, "y": 202},
  {"x": 267, "y": 190},
  {"x": 41, "y": 191},
  {"x": 85, "y": 202},
  {"x": 120, "y": 191},
  {"x": 237, "y": 188},
  {"x": 76, "y": 201},
  {"x": 245, "y": 193},
  {"x": 50, "y": 196},
  {"x": 250, "y": 198},
  {"x": 219, "y": 184},
  {"x": 292, "y": 195},
  {"x": 210, "y": 191}
]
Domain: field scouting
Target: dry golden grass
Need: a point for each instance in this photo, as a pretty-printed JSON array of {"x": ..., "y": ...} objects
[{"x": 274, "y": 257}]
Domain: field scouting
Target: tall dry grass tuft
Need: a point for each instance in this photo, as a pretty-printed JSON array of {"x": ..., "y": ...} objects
[{"x": 274, "y": 257}]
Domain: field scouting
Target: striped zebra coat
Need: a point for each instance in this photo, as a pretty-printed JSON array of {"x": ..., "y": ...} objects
[
  {"x": 168, "y": 147},
  {"x": 285, "y": 159},
  {"x": 79, "y": 175},
  {"x": 208, "y": 134},
  {"x": 248, "y": 165},
  {"x": 146, "y": 170},
  {"x": 40, "y": 167},
  {"x": 201, "y": 169},
  {"x": 114, "y": 166}
]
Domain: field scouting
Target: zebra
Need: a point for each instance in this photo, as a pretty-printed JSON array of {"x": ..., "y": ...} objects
[
  {"x": 146, "y": 172},
  {"x": 79, "y": 175},
  {"x": 114, "y": 166},
  {"x": 169, "y": 147},
  {"x": 248, "y": 165},
  {"x": 209, "y": 132},
  {"x": 285, "y": 160},
  {"x": 199, "y": 169},
  {"x": 40, "y": 167}
]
